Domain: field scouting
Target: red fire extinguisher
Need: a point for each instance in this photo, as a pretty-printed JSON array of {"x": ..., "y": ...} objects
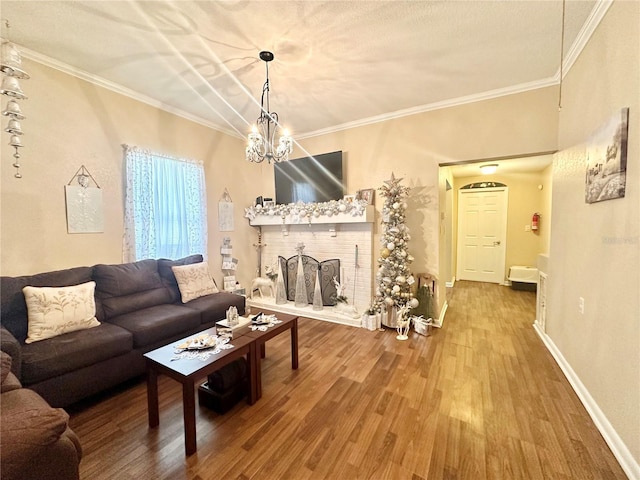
[{"x": 535, "y": 222}]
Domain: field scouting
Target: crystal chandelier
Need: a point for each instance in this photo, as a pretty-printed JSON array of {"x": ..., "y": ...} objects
[{"x": 261, "y": 144}]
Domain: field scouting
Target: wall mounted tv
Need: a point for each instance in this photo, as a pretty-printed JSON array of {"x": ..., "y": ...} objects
[{"x": 310, "y": 179}]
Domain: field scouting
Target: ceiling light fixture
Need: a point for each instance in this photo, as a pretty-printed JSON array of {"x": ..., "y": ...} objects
[
  {"x": 261, "y": 144},
  {"x": 489, "y": 169}
]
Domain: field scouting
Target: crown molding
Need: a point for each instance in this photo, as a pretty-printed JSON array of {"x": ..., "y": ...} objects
[
  {"x": 119, "y": 89},
  {"x": 476, "y": 97},
  {"x": 584, "y": 35},
  {"x": 595, "y": 17},
  {"x": 587, "y": 30}
]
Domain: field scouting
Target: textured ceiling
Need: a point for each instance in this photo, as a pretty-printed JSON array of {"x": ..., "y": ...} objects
[{"x": 336, "y": 63}]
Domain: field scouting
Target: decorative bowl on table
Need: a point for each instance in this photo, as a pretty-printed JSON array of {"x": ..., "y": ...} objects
[
  {"x": 202, "y": 342},
  {"x": 262, "y": 319}
]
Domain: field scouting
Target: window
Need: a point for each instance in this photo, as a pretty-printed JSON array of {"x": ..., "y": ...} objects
[{"x": 165, "y": 206}]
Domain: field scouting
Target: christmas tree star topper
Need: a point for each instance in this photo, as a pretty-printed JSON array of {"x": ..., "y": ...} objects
[{"x": 393, "y": 181}]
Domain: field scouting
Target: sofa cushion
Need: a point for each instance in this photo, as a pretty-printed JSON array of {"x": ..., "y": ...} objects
[
  {"x": 53, "y": 311},
  {"x": 168, "y": 278},
  {"x": 194, "y": 281},
  {"x": 213, "y": 308},
  {"x": 128, "y": 287},
  {"x": 13, "y": 308},
  {"x": 116, "y": 306},
  {"x": 72, "y": 351},
  {"x": 154, "y": 324}
]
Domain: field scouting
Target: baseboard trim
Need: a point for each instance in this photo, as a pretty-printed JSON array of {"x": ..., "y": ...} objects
[
  {"x": 630, "y": 466},
  {"x": 438, "y": 323},
  {"x": 451, "y": 283}
]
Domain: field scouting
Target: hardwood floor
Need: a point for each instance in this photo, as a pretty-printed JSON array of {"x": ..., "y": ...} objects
[{"x": 479, "y": 399}]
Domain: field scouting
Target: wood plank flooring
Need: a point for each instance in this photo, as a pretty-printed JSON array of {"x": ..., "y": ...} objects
[{"x": 479, "y": 399}]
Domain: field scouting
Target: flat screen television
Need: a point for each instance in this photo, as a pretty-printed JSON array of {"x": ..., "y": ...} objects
[{"x": 310, "y": 179}]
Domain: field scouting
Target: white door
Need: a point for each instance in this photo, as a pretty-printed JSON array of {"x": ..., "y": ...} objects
[{"x": 482, "y": 231}]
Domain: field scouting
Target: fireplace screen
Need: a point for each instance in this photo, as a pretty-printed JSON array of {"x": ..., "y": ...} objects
[{"x": 328, "y": 270}]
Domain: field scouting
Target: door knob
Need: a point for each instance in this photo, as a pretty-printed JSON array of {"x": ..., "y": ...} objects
[{"x": 495, "y": 244}]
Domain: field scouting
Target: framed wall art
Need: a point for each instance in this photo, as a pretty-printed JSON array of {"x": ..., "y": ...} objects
[
  {"x": 366, "y": 195},
  {"x": 225, "y": 213},
  {"x": 606, "y": 173},
  {"x": 84, "y": 204}
]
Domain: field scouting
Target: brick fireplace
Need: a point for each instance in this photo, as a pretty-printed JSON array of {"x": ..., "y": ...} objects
[{"x": 324, "y": 238}]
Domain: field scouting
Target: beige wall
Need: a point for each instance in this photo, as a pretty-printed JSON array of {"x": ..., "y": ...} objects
[
  {"x": 595, "y": 248},
  {"x": 524, "y": 200},
  {"x": 447, "y": 220},
  {"x": 412, "y": 147},
  {"x": 71, "y": 122}
]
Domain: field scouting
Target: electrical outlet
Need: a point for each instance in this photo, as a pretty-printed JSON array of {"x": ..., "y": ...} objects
[
  {"x": 527, "y": 228},
  {"x": 581, "y": 305}
]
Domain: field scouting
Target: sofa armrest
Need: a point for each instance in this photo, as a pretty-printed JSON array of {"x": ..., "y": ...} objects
[
  {"x": 60, "y": 460},
  {"x": 11, "y": 346},
  {"x": 36, "y": 440}
]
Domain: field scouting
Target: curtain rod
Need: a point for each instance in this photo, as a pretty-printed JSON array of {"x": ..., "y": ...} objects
[{"x": 163, "y": 155}]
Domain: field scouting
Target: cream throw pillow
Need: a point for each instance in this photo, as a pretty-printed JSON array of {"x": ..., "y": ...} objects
[
  {"x": 194, "y": 281},
  {"x": 53, "y": 311}
]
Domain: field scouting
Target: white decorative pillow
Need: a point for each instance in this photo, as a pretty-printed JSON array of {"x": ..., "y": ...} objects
[
  {"x": 194, "y": 281},
  {"x": 53, "y": 311}
]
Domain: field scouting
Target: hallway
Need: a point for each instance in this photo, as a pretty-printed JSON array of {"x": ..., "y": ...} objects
[{"x": 507, "y": 384}]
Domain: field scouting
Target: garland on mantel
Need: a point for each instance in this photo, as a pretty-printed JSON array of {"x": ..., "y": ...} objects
[{"x": 301, "y": 211}]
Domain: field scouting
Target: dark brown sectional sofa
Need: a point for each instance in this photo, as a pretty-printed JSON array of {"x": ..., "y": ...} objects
[{"x": 139, "y": 308}]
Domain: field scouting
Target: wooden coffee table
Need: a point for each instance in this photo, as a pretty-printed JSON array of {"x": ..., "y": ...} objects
[
  {"x": 289, "y": 322},
  {"x": 188, "y": 371}
]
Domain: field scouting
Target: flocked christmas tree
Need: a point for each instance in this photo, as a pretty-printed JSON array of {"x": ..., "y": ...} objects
[{"x": 394, "y": 277}]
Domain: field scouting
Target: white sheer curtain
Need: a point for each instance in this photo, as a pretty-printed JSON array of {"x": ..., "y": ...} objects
[{"x": 165, "y": 206}]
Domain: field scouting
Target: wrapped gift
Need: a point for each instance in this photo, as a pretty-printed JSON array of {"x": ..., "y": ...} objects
[{"x": 422, "y": 326}]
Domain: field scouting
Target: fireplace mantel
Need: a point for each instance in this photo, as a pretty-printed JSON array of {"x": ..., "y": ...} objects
[
  {"x": 338, "y": 236},
  {"x": 367, "y": 217}
]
